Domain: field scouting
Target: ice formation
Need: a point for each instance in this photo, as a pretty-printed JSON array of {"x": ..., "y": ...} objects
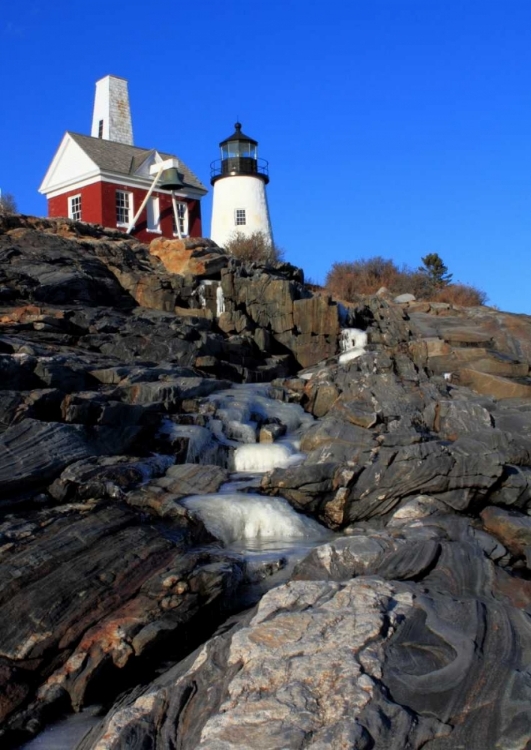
[
  {"x": 243, "y": 406},
  {"x": 265, "y": 456},
  {"x": 220, "y": 301},
  {"x": 353, "y": 342},
  {"x": 201, "y": 295},
  {"x": 202, "y": 448},
  {"x": 237, "y": 517}
]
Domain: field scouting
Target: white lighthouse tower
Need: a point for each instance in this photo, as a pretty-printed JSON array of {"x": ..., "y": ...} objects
[{"x": 239, "y": 179}]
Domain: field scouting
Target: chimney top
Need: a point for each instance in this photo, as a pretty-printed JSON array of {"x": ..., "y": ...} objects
[{"x": 111, "y": 117}]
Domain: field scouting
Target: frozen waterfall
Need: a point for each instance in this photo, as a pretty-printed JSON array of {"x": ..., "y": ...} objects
[{"x": 245, "y": 517}]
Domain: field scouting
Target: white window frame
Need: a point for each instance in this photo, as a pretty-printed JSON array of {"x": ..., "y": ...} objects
[
  {"x": 153, "y": 215},
  {"x": 126, "y": 210},
  {"x": 74, "y": 207},
  {"x": 240, "y": 217},
  {"x": 183, "y": 214}
]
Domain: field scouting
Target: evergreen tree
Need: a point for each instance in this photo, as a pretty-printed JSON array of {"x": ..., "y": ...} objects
[{"x": 436, "y": 270}]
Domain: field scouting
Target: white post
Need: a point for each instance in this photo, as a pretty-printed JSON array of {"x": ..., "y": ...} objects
[
  {"x": 148, "y": 196},
  {"x": 176, "y": 214}
]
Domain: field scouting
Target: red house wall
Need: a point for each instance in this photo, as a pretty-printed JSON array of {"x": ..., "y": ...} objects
[
  {"x": 98, "y": 205},
  {"x": 91, "y": 203}
]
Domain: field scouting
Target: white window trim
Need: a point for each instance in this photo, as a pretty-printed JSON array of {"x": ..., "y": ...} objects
[
  {"x": 236, "y": 222},
  {"x": 186, "y": 220},
  {"x": 131, "y": 207},
  {"x": 71, "y": 199},
  {"x": 155, "y": 228}
]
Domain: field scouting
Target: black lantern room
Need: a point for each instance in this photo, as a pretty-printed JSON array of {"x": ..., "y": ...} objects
[{"x": 239, "y": 156}]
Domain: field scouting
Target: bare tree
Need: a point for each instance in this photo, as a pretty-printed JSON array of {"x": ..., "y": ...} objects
[
  {"x": 8, "y": 204},
  {"x": 256, "y": 246}
]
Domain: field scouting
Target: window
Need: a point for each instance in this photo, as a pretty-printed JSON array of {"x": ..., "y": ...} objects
[
  {"x": 239, "y": 217},
  {"x": 153, "y": 215},
  {"x": 74, "y": 207},
  {"x": 181, "y": 209},
  {"x": 100, "y": 129},
  {"x": 123, "y": 207}
]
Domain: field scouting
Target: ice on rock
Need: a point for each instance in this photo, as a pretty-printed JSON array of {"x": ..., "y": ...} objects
[
  {"x": 238, "y": 517},
  {"x": 201, "y": 291},
  {"x": 353, "y": 342},
  {"x": 202, "y": 448},
  {"x": 243, "y": 406},
  {"x": 220, "y": 301},
  {"x": 265, "y": 456}
]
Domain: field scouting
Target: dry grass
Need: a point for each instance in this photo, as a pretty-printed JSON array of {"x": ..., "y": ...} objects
[
  {"x": 461, "y": 294},
  {"x": 346, "y": 280},
  {"x": 349, "y": 280}
]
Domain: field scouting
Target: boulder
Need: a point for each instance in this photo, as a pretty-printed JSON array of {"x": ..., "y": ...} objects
[
  {"x": 513, "y": 529},
  {"x": 196, "y": 256},
  {"x": 273, "y": 673},
  {"x": 493, "y": 385},
  {"x": 403, "y": 299},
  {"x": 106, "y": 477},
  {"x": 161, "y": 496}
]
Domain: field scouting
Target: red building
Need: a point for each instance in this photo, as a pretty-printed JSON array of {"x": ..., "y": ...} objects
[{"x": 104, "y": 179}]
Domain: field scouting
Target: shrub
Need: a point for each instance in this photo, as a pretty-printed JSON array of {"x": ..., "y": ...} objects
[
  {"x": 254, "y": 247},
  {"x": 347, "y": 280},
  {"x": 8, "y": 204},
  {"x": 460, "y": 294}
]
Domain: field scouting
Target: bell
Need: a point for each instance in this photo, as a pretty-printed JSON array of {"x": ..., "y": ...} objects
[{"x": 170, "y": 180}]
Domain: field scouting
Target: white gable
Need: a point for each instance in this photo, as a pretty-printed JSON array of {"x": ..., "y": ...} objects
[
  {"x": 143, "y": 170},
  {"x": 69, "y": 166}
]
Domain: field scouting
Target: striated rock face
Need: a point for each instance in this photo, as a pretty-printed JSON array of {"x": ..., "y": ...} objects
[
  {"x": 409, "y": 628},
  {"x": 273, "y": 676},
  {"x": 247, "y": 322},
  {"x": 34, "y": 452},
  {"x": 484, "y": 349},
  {"x": 386, "y": 639},
  {"x": 101, "y": 588},
  {"x": 306, "y": 326}
]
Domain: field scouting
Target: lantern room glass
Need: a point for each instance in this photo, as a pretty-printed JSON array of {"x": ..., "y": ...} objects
[{"x": 232, "y": 149}]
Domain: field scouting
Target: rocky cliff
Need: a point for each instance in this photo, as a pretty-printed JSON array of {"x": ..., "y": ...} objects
[{"x": 409, "y": 628}]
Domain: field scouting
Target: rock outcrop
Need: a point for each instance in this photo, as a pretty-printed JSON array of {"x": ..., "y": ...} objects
[{"x": 408, "y": 628}]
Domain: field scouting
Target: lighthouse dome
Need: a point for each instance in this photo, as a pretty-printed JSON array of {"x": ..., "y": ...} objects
[{"x": 239, "y": 156}]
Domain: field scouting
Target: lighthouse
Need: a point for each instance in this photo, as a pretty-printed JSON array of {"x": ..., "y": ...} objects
[{"x": 239, "y": 180}]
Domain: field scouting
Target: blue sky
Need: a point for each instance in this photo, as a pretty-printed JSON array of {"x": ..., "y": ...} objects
[{"x": 392, "y": 127}]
